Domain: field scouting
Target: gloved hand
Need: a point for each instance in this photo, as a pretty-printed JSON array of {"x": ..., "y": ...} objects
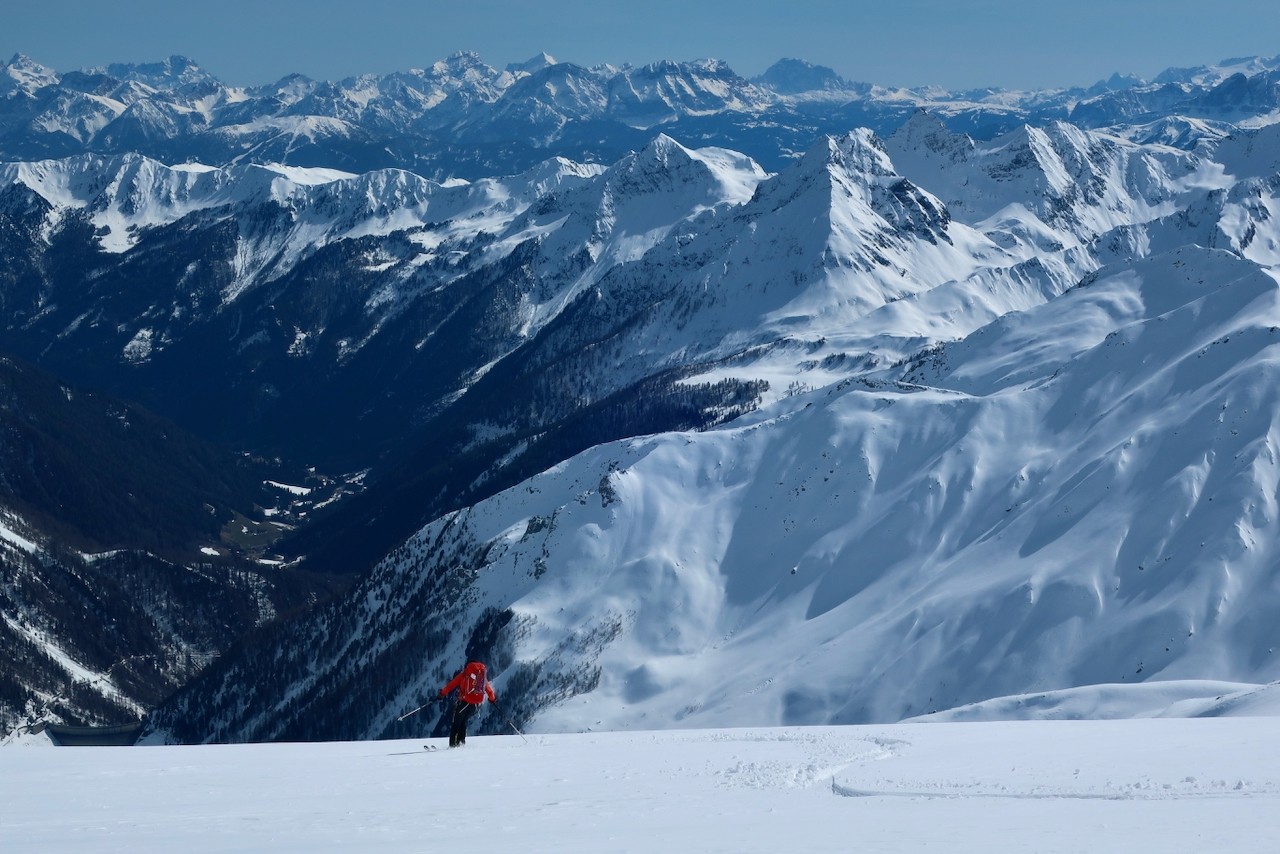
[{"x": 442, "y": 695}]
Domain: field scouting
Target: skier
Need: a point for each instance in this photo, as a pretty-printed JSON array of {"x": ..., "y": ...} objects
[{"x": 472, "y": 688}]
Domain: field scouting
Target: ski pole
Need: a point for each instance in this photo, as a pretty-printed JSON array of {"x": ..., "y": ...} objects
[
  {"x": 414, "y": 712},
  {"x": 509, "y": 723}
]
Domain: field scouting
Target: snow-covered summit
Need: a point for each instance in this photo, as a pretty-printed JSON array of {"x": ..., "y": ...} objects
[
  {"x": 25, "y": 75},
  {"x": 536, "y": 63}
]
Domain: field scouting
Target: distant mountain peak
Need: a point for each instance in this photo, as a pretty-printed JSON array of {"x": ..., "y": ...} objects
[
  {"x": 794, "y": 76},
  {"x": 176, "y": 68},
  {"x": 1117, "y": 82},
  {"x": 21, "y": 60},
  {"x": 464, "y": 56},
  {"x": 28, "y": 74},
  {"x": 536, "y": 63},
  {"x": 672, "y": 66},
  {"x": 461, "y": 62}
]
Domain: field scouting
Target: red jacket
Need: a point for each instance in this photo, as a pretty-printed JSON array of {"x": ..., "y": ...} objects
[{"x": 472, "y": 685}]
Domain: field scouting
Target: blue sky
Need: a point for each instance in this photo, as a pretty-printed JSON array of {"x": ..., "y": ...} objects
[{"x": 956, "y": 43}]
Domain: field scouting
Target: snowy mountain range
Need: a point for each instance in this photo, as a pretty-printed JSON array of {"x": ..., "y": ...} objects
[
  {"x": 463, "y": 118},
  {"x": 751, "y": 423}
]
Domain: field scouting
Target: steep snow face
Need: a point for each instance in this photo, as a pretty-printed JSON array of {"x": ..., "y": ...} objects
[
  {"x": 1250, "y": 220},
  {"x": 816, "y": 248},
  {"x": 1250, "y": 153},
  {"x": 656, "y": 93},
  {"x": 1080, "y": 493},
  {"x": 25, "y": 76},
  {"x": 1058, "y": 185},
  {"x": 126, "y": 196},
  {"x": 639, "y": 200},
  {"x": 544, "y": 101}
]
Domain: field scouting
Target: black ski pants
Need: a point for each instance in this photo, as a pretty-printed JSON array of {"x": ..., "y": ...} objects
[{"x": 462, "y": 712}]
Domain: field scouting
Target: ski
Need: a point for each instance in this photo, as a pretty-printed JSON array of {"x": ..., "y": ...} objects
[{"x": 428, "y": 747}]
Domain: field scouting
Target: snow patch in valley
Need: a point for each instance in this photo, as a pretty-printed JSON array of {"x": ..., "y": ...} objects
[
  {"x": 13, "y": 538},
  {"x": 290, "y": 488},
  {"x": 99, "y": 682}
]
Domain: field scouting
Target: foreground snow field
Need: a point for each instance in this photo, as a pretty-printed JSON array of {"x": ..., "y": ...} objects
[{"x": 1167, "y": 785}]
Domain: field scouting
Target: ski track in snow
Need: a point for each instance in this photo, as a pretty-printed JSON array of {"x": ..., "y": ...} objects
[{"x": 1045, "y": 786}]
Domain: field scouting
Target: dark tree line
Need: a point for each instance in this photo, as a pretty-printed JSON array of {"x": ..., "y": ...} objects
[{"x": 97, "y": 473}]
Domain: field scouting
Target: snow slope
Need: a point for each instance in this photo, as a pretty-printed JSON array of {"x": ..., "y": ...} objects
[
  {"x": 1047, "y": 786},
  {"x": 1172, "y": 699},
  {"x": 1079, "y": 493}
]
